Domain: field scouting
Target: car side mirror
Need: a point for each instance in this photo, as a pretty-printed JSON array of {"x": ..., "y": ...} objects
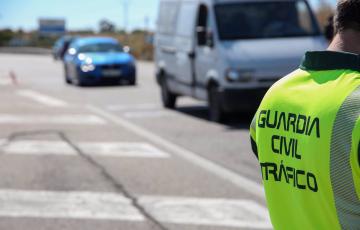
[
  {"x": 127, "y": 49},
  {"x": 71, "y": 51}
]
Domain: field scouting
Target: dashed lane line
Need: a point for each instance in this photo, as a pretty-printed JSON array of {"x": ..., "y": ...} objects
[
  {"x": 236, "y": 179},
  {"x": 41, "y": 98}
]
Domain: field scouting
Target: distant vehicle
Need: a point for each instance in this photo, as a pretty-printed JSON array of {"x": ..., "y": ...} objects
[
  {"x": 93, "y": 60},
  {"x": 229, "y": 52},
  {"x": 61, "y": 46}
]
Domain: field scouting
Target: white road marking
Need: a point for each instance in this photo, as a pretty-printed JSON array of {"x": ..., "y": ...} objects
[
  {"x": 123, "y": 150},
  {"x": 3, "y": 142},
  {"x": 212, "y": 212},
  {"x": 32, "y": 147},
  {"x": 4, "y": 78},
  {"x": 66, "y": 119},
  {"x": 112, "y": 206},
  {"x": 41, "y": 98},
  {"x": 76, "y": 205},
  {"x": 222, "y": 172},
  {"x": 136, "y": 111},
  {"x": 5, "y": 82},
  {"x": 133, "y": 107},
  {"x": 146, "y": 114},
  {"x": 109, "y": 149}
]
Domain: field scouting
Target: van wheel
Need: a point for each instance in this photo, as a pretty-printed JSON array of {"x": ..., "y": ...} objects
[
  {"x": 216, "y": 113},
  {"x": 168, "y": 98}
]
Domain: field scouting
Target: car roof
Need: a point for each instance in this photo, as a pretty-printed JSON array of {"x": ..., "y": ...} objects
[{"x": 93, "y": 40}]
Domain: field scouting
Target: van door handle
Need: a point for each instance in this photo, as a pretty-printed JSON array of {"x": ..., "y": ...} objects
[
  {"x": 169, "y": 50},
  {"x": 192, "y": 55}
]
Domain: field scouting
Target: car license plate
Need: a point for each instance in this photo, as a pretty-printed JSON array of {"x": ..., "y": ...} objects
[{"x": 111, "y": 73}]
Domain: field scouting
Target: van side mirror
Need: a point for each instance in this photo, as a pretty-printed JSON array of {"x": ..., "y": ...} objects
[
  {"x": 210, "y": 39},
  {"x": 201, "y": 35}
]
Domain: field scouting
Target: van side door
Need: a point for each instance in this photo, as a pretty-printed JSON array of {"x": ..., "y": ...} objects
[
  {"x": 184, "y": 43},
  {"x": 206, "y": 58}
]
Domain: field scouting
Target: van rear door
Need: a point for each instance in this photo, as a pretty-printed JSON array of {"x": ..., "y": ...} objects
[{"x": 184, "y": 43}]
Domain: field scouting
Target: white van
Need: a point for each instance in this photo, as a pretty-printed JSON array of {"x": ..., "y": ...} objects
[{"x": 229, "y": 52}]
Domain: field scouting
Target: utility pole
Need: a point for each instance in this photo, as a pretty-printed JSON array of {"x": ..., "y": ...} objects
[
  {"x": 126, "y": 18},
  {"x": 146, "y": 23},
  {"x": 126, "y": 14}
]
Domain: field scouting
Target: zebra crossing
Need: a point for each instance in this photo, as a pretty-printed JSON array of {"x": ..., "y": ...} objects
[
  {"x": 214, "y": 212},
  {"x": 109, "y": 149},
  {"x": 236, "y": 213},
  {"x": 110, "y": 206},
  {"x": 39, "y": 119}
]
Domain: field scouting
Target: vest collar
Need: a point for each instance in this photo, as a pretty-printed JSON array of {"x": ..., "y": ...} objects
[{"x": 330, "y": 60}]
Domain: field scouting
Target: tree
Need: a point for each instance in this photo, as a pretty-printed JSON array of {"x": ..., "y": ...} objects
[
  {"x": 5, "y": 36},
  {"x": 106, "y": 26}
]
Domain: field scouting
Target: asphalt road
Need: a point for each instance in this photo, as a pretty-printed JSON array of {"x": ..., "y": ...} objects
[{"x": 110, "y": 157}]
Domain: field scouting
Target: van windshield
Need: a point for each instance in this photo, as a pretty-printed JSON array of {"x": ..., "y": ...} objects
[{"x": 273, "y": 19}]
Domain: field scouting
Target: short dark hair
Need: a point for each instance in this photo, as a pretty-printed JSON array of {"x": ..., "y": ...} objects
[{"x": 347, "y": 15}]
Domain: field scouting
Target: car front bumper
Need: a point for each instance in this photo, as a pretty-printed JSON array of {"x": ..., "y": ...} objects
[{"x": 127, "y": 73}]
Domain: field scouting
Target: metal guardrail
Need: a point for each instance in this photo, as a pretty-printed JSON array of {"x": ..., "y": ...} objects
[{"x": 25, "y": 50}]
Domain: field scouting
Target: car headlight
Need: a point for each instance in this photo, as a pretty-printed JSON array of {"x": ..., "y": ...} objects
[
  {"x": 235, "y": 75},
  {"x": 87, "y": 68}
]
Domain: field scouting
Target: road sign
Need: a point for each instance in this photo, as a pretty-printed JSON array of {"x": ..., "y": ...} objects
[{"x": 52, "y": 27}]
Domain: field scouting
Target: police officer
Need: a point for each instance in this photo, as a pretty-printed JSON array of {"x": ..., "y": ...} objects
[{"x": 306, "y": 135}]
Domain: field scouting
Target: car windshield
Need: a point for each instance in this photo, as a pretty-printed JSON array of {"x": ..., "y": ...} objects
[
  {"x": 100, "y": 48},
  {"x": 252, "y": 20}
]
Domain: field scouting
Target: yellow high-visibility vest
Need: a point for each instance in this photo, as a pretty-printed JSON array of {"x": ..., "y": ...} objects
[{"x": 306, "y": 134}]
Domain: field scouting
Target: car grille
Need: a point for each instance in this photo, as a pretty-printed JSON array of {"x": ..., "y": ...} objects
[{"x": 109, "y": 67}]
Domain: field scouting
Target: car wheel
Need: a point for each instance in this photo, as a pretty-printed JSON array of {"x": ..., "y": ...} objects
[
  {"x": 132, "y": 82},
  {"x": 78, "y": 82},
  {"x": 168, "y": 98},
  {"x": 66, "y": 75},
  {"x": 216, "y": 113}
]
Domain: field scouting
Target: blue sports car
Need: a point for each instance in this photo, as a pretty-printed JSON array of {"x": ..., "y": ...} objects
[{"x": 93, "y": 60}]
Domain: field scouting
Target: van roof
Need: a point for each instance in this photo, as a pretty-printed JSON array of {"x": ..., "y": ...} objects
[{"x": 230, "y": 1}]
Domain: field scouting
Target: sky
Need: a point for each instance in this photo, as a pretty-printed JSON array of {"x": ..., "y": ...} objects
[{"x": 81, "y": 14}]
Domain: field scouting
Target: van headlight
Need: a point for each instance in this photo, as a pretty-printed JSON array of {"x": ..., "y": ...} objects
[
  {"x": 87, "y": 68},
  {"x": 235, "y": 75}
]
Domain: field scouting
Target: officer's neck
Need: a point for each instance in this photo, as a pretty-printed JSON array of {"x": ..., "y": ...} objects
[{"x": 346, "y": 41}]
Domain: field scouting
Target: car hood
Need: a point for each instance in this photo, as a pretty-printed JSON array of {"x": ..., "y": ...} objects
[
  {"x": 107, "y": 58},
  {"x": 270, "y": 55}
]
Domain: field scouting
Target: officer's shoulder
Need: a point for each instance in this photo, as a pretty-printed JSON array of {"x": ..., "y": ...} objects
[{"x": 291, "y": 77}]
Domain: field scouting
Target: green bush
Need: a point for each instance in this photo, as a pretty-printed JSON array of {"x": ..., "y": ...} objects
[{"x": 5, "y": 36}]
